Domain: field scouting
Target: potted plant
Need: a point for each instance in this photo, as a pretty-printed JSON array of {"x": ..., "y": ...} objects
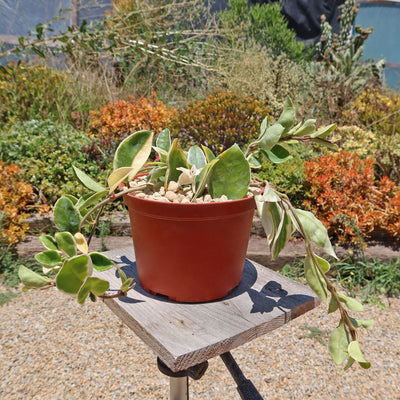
[{"x": 182, "y": 202}]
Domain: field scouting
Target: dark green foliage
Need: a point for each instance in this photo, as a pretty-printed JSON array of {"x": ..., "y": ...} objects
[
  {"x": 371, "y": 277},
  {"x": 45, "y": 151},
  {"x": 288, "y": 177},
  {"x": 265, "y": 24},
  {"x": 220, "y": 121}
]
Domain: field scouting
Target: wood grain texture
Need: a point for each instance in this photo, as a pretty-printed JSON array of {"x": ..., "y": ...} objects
[{"x": 183, "y": 334}]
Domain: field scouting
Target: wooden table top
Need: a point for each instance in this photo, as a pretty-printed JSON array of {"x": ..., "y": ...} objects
[{"x": 183, "y": 334}]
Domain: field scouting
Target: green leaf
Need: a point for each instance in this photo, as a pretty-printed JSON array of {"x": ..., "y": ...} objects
[
  {"x": 323, "y": 263},
  {"x": 355, "y": 352},
  {"x": 163, "y": 142},
  {"x": 288, "y": 115},
  {"x": 127, "y": 283},
  {"x": 66, "y": 243},
  {"x": 283, "y": 229},
  {"x": 87, "y": 181},
  {"x": 350, "y": 362},
  {"x": 270, "y": 195},
  {"x": 48, "y": 242},
  {"x": 30, "y": 279},
  {"x": 264, "y": 126},
  {"x": 203, "y": 178},
  {"x": 323, "y": 132},
  {"x": 333, "y": 305},
  {"x": 93, "y": 285},
  {"x": 339, "y": 343},
  {"x": 100, "y": 262},
  {"x": 353, "y": 304},
  {"x": 93, "y": 199},
  {"x": 326, "y": 143},
  {"x": 82, "y": 199},
  {"x": 315, "y": 230},
  {"x": 72, "y": 274},
  {"x": 278, "y": 154},
  {"x": 271, "y": 137},
  {"x": 306, "y": 128},
  {"x": 161, "y": 153},
  {"x": 118, "y": 176},
  {"x": 66, "y": 216},
  {"x": 49, "y": 258},
  {"x": 314, "y": 278},
  {"x": 196, "y": 157},
  {"x": 38, "y": 52},
  {"x": 208, "y": 153},
  {"x": 176, "y": 159},
  {"x": 157, "y": 173},
  {"x": 121, "y": 273},
  {"x": 367, "y": 324},
  {"x": 265, "y": 214},
  {"x": 134, "y": 151},
  {"x": 254, "y": 162},
  {"x": 72, "y": 198},
  {"x": 231, "y": 175}
]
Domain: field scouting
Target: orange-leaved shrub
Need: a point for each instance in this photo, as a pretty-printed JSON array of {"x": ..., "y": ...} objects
[
  {"x": 118, "y": 120},
  {"x": 15, "y": 197},
  {"x": 345, "y": 195},
  {"x": 220, "y": 121}
]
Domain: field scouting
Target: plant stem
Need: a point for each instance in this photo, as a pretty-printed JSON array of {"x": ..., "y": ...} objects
[
  {"x": 110, "y": 198},
  {"x": 96, "y": 221},
  {"x": 330, "y": 287}
]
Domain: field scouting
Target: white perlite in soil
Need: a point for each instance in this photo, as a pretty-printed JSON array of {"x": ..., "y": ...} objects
[{"x": 174, "y": 193}]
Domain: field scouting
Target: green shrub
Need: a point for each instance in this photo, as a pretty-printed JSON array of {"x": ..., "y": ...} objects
[
  {"x": 30, "y": 91},
  {"x": 220, "y": 121},
  {"x": 45, "y": 151},
  {"x": 370, "y": 277},
  {"x": 288, "y": 178},
  {"x": 265, "y": 24},
  {"x": 253, "y": 72}
]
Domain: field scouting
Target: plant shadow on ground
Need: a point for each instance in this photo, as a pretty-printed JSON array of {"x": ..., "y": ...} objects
[{"x": 313, "y": 332}]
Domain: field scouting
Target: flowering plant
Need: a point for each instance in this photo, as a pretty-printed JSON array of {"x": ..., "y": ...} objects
[{"x": 201, "y": 175}]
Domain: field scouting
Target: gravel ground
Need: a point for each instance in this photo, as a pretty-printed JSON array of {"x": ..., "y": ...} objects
[{"x": 54, "y": 349}]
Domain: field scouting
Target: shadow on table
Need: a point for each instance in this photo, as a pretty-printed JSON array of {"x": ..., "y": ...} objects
[{"x": 270, "y": 296}]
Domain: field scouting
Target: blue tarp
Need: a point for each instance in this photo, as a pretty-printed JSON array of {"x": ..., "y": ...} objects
[
  {"x": 384, "y": 41},
  {"x": 18, "y": 17}
]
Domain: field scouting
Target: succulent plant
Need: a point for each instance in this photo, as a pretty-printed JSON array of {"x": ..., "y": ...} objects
[{"x": 228, "y": 174}]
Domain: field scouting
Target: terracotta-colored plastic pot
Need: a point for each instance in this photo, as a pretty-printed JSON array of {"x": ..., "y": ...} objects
[{"x": 190, "y": 252}]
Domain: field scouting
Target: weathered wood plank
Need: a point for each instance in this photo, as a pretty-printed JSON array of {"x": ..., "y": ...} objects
[{"x": 183, "y": 335}]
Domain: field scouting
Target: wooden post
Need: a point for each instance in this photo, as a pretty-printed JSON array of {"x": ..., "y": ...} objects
[{"x": 74, "y": 17}]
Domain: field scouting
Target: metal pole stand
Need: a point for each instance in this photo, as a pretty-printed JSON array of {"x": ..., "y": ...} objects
[
  {"x": 245, "y": 387},
  {"x": 179, "y": 381}
]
